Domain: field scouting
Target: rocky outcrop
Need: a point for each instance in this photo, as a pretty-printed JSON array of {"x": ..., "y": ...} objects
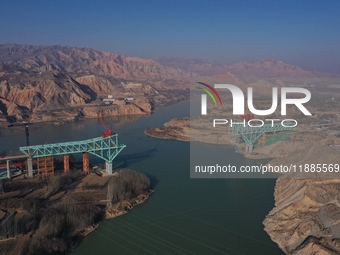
[
  {"x": 22, "y": 94},
  {"x": 194, "y": 129},
  {"x": 305, "y": 219},
  {"x": 119, "y": 108},
  {"x": 175, "y": 129}
]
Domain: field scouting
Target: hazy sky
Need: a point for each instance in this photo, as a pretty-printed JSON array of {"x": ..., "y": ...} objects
[{"x": 304, "y": 33}]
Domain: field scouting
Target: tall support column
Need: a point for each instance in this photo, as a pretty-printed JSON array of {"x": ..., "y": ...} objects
[
  {"x": 30, "y": 167},
  {"x": 86, "y": 163},
  {"x": 8, "y": 169},
  {"x": 108, "y": 167},
  {"x": 248, "y": 148},
  {"x": 66, "y": 163}
]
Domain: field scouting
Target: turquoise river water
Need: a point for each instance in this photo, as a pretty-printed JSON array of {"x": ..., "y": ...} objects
[{"x": 183, "y": 216}]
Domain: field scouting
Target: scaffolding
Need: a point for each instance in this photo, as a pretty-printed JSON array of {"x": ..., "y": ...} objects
[
  {"x": 45, "y": 166},
  {"x": 86, "y": 163},
  {"x": 66, "y": 163}
]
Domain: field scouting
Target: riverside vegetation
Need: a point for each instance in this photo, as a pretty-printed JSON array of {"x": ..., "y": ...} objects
[{"x": 50, "y": 215}]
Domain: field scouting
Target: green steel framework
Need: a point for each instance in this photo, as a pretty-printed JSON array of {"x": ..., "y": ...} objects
[
  {"x": 251, "y": 134},
  {"x": 106, "y": 148}
]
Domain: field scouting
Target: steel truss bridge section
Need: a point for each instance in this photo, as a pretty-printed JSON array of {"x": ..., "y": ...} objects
[
  {"x": 105, "y": 148},
  {"x": 251, "y": 134}
]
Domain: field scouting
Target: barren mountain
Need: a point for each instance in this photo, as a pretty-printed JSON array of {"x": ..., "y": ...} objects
[
  {"x": 265, "y": 68},
  {"x": 22, "y": 93},
  {"x": 84, "y": 60},
  {"x": 272, "y": 68},
  {"x": 305, "y": 219},
  {"x": 36, "y": 81},
  {"x": 199, "y": 66}
]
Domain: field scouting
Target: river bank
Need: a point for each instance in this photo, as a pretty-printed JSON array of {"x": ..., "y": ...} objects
[
  {"x": 70, "y": 114},
  {"x": 306, "y": 145},
  {"x": 304, "y": 219},
  {"x": 53, "y": 215}
]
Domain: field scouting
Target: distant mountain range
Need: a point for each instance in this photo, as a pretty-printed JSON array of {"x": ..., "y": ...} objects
[
  {"x": 84, "y": 61},
  {"x": 265, "y": 68},
  {"x": 37, "y": 79},
  {"x": 90, "y": 61}
]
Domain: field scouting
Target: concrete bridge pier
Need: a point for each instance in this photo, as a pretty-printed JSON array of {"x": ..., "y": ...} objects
[
  {"x": 248, "y": 148},
  {"x": 30, "y": 167},
  {"x": 108, "y": 166},
  {"x": 8, "y": 169}
]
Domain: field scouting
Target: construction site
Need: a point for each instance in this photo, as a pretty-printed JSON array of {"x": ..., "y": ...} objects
[
  {"x": 49, "y": 199},
  {"x": 106, "y": 147}
]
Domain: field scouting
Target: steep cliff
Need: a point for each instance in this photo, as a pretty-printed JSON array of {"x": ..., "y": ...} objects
[{"x": 305, "y": 219}]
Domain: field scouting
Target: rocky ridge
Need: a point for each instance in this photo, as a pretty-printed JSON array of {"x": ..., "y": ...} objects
[
  {"x": 83, "y": 60},
  {"x": 256, "y": 69},
  {"x": 37, "y": 82}
]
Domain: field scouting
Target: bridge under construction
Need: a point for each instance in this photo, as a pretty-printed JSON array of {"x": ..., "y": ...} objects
[
  {"x": 251, "y": 134},
  {"x": 104, "y": 147}
]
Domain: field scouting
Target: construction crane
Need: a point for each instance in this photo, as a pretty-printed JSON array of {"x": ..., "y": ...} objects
[
  {"x": 108, "y": 130},
  {"x": 27, "y": 135}
]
